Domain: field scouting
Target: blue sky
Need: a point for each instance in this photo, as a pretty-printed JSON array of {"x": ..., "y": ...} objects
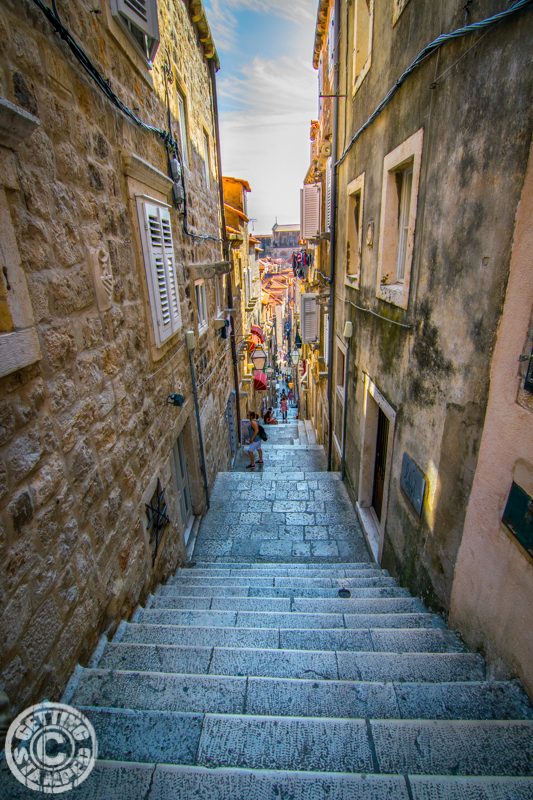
[{"x": 267, "y": 91}]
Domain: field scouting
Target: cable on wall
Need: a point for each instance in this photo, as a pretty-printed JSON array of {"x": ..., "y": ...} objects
[{"x": 427, "y": 51}]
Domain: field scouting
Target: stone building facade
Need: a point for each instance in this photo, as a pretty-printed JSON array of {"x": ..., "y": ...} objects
[
  {"x": 422, "y": 263},
  {"x": 102, "y": 276},
  {"x": 247, "y": 282}
]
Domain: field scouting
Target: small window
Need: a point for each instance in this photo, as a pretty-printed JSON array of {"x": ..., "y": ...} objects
[
  {"x": 183, "y": 128},
  {"x": 362, "y": 40},
  {"x": 354, "y": 228},
  {"x": 518, "y": 516},
  {"x": 201, "y": 306},
  {"x": 325, "y": 343},
  {"x": 401, "y": 173},
  {"x": 218, "y": 294},
  {"x": 338, "y": 406},
  {"x": 207, "y": 160},
  {"x": 331, "y": 43},
  {"x": 340, "y": 371},
  {"x": 160, "y": 268},
  {"x": 528, "y": 381},
  {"x": 139, "y": 19}
]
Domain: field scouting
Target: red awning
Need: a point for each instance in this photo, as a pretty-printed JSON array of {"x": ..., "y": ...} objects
[
  {"x": 260, "y": 381},
  {"x": 255, "y": 330}
]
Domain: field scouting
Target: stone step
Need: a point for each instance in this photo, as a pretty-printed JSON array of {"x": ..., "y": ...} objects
[
  {"x": 279, "y": 619},
  {"x": 371, "y": 578},
  {"x": 120, "y": 780},
  {"x": 328, "y": 665},
  {"x": 303, "y": 743},
  {"x": 307, "y": 605},
  {"x": 299, "y": 571},
  {"x": 276, "y": 565},
  {"x": 276, "y": 696},
  {"x": 378, "y": 639},
  {"x": 208, "y": 589}
]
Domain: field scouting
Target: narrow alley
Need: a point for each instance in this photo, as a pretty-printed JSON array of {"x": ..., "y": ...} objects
[{"x": 282, "y": 662}]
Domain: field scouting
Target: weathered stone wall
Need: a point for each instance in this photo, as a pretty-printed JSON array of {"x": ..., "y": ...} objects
[
  {"x": 85, "y": 432},
  {"x": 473, "y": 107}
]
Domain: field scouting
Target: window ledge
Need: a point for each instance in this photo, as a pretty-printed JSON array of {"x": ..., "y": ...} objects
[
  {"x": 139, "y": 169},
  {"x": 18, "y": 349},
  {"x": 394, "y": 293},
  {"x": 202, "y": 329},
  {"x": 16, "y": 124}
]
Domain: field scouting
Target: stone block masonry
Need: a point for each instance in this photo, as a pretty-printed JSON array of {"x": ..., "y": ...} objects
[{"x": 85, "y": 430}]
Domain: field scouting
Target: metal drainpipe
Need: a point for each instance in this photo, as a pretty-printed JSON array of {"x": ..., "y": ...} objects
[
  {"x": 333, "y": 217},
  {"x": 226, "y": 248}
]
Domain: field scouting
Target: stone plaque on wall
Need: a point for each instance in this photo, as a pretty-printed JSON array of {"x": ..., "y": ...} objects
[{"x": 413, "y": 483}]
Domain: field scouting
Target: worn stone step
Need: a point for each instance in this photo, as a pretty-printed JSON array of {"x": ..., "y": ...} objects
[
  {"x": 121, "y": 780},
  {"x": 262, "y": 566},
  {"x": 265, "y": 662},
  {"x": 245, "y": 590},
  {"x": 280, "y": 619},
  {"x": 319, "y": 698},
  {"x": 308, "y": 605},
  {"x": 436, "y": 747},
  {"x": 368, "y": 578},
  {"x": 300, "y": 571},
  {"x": 382, "y": 640}
]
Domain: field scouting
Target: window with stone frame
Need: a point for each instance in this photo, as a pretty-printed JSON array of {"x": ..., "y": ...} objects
[
  {"x": 183, "y": 126},
  {"x": 338, "y": 412},
  {"x": 363, "y": 25},
  {"x": 354, "y": 230},
  {"x": 401, "y": 174},
  {"x": 138, "y": 18},
  {"x": 160, "y": 268},
  {"x": 201, "y": 306},
  {"x": 206, "y": 158},
  {"x": 219, "y": 295}
]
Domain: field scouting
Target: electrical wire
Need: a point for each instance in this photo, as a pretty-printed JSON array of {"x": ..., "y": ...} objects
[
  {"x": 375, "y": 314},
  {"x": 104, "y": 85},
  {"x": 425, "y": 53},
  {"x": 217, "y": 362}
]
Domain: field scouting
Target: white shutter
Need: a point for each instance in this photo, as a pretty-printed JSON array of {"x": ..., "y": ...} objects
[
  {"x": 142, "y": 14},
  {"x": 328, "y": 193},
  {"x": 325, "y": 343},
  {"x": 160, "y": 271},
  {"x": 309, "y": 318},
  {"x": 310, "y": 210}
]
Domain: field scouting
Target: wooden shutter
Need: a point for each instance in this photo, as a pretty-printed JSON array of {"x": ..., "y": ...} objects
[
  {"x": 142, "y": 14},
  {"x": 161, "y": 271},
  {"x": 325, "y": 343},
  {"x": 328, "y": 193},
  {"x": 309, "y": 318},
  {"x": 310, "y": 210}
]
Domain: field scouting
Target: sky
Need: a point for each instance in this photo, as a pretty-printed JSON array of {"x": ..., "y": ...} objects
[{"x": 267, "y": 93}]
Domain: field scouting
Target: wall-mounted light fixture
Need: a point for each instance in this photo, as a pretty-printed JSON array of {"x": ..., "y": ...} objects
[{"x": 176, "y": 399}]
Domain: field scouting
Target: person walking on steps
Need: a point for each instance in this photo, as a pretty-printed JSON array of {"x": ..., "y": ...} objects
[
  {"x": 254, "y": 445},
  {"x": 284, "y": 407}
]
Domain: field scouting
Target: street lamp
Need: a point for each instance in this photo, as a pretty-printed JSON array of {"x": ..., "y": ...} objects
[
  {"x": 295, "y": 356},
  {"x": 259, "y": 358}
]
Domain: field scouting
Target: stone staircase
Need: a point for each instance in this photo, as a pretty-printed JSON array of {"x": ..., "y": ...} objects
[{"x": 272, "y": 669}]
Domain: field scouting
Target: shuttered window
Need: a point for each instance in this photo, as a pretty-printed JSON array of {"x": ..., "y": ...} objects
[
  {"x": 201, "y": 305},
  {"x": 310, "y": 210},
  {"x": 325, "y": 343},
  {"x": 328, "y": 193},
  {"x": 309, "y": 318},
  {"x": 183, "y": 128},
  {"x": 160, "y": 268},
  {"x": 139, "y": 18}
]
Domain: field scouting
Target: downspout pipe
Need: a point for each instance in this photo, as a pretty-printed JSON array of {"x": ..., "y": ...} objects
[
  {"x": 333, "y": 218},
  {"x": 225, "y": 247}
]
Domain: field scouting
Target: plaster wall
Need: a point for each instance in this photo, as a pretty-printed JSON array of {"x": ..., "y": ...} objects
[
  {"x": 492, "y": 592},
  {"x": 429, "y": 360}
]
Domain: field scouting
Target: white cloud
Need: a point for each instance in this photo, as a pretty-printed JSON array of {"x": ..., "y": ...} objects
[
  {"x": 223, "y": 20},
  {"x": 266, "y": 138},
  {"x": 266, "y": 106}
]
